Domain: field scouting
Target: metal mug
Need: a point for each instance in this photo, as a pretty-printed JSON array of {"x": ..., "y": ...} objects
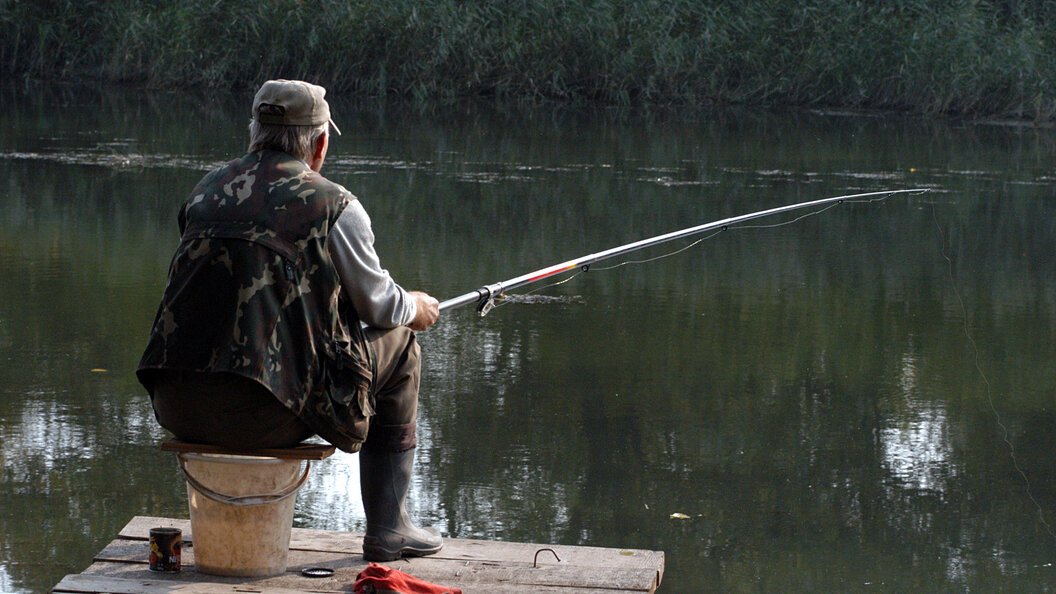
[{"x": 165, "y": 545}]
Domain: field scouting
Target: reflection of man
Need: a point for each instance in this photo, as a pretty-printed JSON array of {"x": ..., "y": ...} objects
[{"x": 278, "y": 321}]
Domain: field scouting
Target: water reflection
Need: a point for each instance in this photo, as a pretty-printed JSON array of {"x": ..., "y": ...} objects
[
  {"x": 330, "y": 499},
  {"x": 915, "y": 442},
  {"x": 6, "y": 583},
  {"x": 917, "y": 449},
  {"x": 45, "y": 432}
]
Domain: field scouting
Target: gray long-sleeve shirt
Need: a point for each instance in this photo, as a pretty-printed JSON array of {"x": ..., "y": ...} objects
[{"x": 378, "y": 300}]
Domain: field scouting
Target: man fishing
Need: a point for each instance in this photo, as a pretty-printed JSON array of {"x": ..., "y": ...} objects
[{"x": 279, "y": 323}]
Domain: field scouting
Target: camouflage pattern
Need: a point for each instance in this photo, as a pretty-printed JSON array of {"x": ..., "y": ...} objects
[{"x": 252, "y": 291}]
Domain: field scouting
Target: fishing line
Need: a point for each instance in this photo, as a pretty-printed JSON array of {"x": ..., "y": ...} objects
[
  {"x": 485, "y": 296},
  {"x": 586, "y": 268},
  {"x": 816, "y": 212},
  {"x": 982, "y": 374},
  {"x": 795, "y": 220},
  {"x": 661, "y": 256},
  {"x": 734, "y": 228},
  {"x": 503, "y": 299}
]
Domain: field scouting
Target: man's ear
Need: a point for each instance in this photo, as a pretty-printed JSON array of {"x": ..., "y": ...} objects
[{"x": 322, "y": 142}]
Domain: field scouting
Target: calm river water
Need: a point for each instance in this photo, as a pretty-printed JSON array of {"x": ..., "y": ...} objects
[{"x": 862, "y": 400}]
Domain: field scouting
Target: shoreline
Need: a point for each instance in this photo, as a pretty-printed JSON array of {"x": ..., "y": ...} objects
[{"x": 979, "y": 60}]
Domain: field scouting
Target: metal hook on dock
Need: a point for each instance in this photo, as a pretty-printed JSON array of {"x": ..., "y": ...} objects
[{"x": 535, "y": 562}]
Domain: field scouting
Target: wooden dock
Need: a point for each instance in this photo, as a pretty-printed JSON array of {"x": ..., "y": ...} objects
[{"x": 475, "y": 566}]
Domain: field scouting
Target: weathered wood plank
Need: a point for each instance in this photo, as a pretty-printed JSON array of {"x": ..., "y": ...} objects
[
  {"x": 468, "y": 580},
  {"x": 432, "y": 569},
  {"x": 136, "y": 551},
  {"x": 93, "y": 584},
  {"x": 438, "y": 569},
  {"x": 304, "y": 451},
  {"x": 350, "y": 543}
]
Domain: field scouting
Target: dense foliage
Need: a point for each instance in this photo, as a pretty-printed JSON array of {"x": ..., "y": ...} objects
[{"x": 949, "y": 56}]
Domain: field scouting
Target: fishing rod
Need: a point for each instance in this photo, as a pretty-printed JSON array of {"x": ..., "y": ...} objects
[{"x": 485, "y": 296}]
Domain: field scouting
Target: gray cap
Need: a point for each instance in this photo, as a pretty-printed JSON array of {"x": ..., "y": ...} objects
[{"x": 292, "y": 103}]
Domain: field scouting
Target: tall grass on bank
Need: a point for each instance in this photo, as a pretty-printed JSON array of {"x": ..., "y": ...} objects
[{"x": 948, "y": 56}]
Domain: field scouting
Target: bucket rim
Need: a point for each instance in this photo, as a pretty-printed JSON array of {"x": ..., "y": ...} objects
[
  {"x": 289, "y": 490},
  {"x": 234, "y": 458}
]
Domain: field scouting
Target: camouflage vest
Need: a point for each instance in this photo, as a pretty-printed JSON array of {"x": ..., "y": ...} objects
[{"x": 252, "y": 291}]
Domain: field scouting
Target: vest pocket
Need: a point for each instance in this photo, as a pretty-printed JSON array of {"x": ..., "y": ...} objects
[{"x": 349, "y": 379}]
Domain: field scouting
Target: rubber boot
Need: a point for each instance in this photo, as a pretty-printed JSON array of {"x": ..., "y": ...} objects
[{"x": 384, "y": 479}]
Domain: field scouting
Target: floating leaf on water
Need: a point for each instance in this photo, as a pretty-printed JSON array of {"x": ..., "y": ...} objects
[
  {"x": 679, "y": 516},
  {"x": 99, "y": 370}
]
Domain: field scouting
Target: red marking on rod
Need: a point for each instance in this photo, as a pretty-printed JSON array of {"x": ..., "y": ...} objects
[{"x": 553, "y": 270}]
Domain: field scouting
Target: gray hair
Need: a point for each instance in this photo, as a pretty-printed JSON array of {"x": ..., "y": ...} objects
[{"x": 298, "y": 141}]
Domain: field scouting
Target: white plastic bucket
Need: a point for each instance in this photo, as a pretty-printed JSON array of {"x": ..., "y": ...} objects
[{"x": 241, "y": 512}]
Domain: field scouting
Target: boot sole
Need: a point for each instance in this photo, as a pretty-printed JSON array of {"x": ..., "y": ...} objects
[{"x": 375, "y": 554}]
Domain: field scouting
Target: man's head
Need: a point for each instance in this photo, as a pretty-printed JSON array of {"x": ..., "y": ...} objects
[{"x": 292, "y": 116}]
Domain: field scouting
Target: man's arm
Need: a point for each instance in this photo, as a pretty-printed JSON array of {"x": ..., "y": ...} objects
[{"x": 378, "y": 299}]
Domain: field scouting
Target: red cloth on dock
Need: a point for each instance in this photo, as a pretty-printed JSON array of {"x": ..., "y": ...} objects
[{"x": 379, "y": 579}]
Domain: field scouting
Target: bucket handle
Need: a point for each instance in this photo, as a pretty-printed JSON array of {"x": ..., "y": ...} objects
[{"x": 246, "y": 500}]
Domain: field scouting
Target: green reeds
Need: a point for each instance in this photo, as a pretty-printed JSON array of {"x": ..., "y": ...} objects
[{"x": 953, "y": 56}]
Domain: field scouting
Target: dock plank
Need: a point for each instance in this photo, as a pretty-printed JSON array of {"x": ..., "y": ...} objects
[
  {"x": 350, "y": 543},
  {"x": 96, "y": 584},
  {"x": 127, "y": 576},
  {"x": 433, "y": 569},
  {"x": 475, "y": 566}
]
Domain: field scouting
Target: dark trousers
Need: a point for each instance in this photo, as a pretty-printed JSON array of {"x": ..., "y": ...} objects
[{"x": 235, "y": 412}]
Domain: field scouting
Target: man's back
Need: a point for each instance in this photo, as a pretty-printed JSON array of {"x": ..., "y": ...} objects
[{"x": 252, "y": 291}]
